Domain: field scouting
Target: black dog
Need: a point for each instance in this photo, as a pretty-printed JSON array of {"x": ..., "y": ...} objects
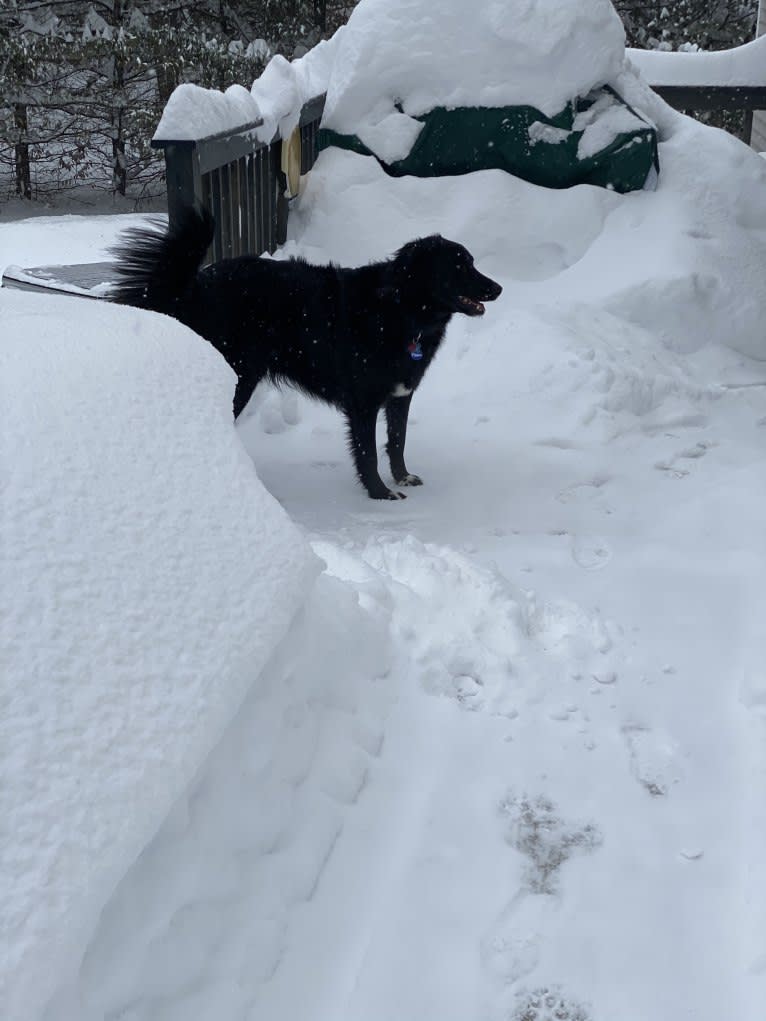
[{"x": 359, "y": 339}]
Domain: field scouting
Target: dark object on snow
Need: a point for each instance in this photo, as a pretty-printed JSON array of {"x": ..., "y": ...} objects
[
  {"x": 84, "y": 279},
  {"x": 597, "y": 140},
  {"x": 359, "y": 339}
]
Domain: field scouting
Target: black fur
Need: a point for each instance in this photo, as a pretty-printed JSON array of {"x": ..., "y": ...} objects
[{"x": 355, "y": 338}]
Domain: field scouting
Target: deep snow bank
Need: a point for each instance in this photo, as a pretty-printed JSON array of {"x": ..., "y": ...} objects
[{"x": 146, "y": 578}]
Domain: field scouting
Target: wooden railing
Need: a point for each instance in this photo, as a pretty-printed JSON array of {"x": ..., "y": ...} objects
[
  {"x": 716, "y": 97},
  {"x": 240, "y": 180}
]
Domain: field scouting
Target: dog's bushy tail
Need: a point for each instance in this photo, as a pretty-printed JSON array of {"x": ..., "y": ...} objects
[{"x": 155, "y": 267}]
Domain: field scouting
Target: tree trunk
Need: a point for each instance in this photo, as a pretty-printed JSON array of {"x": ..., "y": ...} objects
[
  {"x": 21, "y": 154},
  {"x": 320, "y": 14},
  {"x": 119, "y": 165}
]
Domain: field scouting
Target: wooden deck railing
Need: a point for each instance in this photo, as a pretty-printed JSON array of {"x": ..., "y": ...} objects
[
  {"x": 240, "y": 180},
  {"x": 716, "y": 97}
]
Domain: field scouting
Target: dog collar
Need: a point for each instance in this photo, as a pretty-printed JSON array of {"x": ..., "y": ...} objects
[{"x": 415, "y": 350}]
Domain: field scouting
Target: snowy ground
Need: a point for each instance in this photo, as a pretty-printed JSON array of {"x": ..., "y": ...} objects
[{"x": 509, "y": 762}]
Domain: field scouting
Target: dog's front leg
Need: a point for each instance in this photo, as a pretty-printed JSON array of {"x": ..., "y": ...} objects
[
  {"x": 361, "y": 435},
  {"x": 397, "y": 411}
]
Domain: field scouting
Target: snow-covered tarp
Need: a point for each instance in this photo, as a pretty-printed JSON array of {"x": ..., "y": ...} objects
[
  {"x": 145, "y": 578},
  {"x": 396, "y": 59}
]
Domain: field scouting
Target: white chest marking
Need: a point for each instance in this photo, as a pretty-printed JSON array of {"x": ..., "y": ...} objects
[{"x": 400, "y": 390}]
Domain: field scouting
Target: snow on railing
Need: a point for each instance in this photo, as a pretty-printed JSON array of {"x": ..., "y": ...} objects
[{"x": 732, "y": 79}]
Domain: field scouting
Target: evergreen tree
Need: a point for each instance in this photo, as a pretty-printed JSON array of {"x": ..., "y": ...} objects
[{"x": 83, "y": 82}]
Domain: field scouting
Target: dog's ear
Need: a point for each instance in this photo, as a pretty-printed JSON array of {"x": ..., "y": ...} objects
[{"x": 389, "y": 293}]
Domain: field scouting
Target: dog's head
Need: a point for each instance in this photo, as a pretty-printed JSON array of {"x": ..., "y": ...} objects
[{"x": 442, "y": 274}]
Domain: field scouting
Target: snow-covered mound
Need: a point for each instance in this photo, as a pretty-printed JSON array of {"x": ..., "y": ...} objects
[
  {"x": 146, "y": 578},
  {"x": 397, "y": 59}
]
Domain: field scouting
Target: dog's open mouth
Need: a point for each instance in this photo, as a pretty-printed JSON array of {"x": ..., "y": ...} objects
[{"x": 469, "y": 306}]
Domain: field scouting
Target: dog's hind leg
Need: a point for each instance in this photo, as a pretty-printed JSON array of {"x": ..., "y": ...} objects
[
  {"x": 397, "y": 412},
  {"x": 361, "y": 438}
]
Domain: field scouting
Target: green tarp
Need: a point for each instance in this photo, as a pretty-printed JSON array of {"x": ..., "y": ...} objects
[{"x": 597, "y": 140}]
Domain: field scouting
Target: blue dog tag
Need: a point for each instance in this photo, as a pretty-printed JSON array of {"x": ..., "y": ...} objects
[{"x": 415, "y": 350}]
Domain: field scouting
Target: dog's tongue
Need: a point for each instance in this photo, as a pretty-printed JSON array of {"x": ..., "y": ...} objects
[{"x": 475, "y": 306}]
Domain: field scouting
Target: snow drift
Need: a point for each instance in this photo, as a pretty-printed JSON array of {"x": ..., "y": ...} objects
[{"x": 146, "y": 578}]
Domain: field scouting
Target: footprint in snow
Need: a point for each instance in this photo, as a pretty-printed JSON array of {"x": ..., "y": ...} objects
[
  {"x": 585, "y": 489},
  {"x": 675, "y": 470},
  {"x": 511, "y": 949},
  {"x": 536, "y": 831},
  {"x": 654, "y": 759},
  {"x": 590, "y": 552},
  {"x": 547, "y": 1004}
]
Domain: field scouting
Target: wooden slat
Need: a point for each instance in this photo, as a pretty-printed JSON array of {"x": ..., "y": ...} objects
[
  {"x": 244, "y": 245},
  {"x": 252, "y": 212},
  {"x": 215, "y": 209}
]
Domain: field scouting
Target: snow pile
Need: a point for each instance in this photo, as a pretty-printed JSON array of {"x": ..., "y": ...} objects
[
  {"x": 146, "y": 578},
  {"x": 602, "y": 122},
  {"x": 289, "y": 804},
  {"x": 284, "y": 87},
  {"x": 401, "y": 58},
  {"x": 396, "y": 59}
]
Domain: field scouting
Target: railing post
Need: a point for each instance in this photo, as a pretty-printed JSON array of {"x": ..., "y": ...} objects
[
  {"x": 757, "y": 127},
  {"x": 184, "y": 182}
]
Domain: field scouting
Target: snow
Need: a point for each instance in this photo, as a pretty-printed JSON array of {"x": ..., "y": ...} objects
[
  {"x": 146, "y": 578},
  {"x": 602, "y": 122},
  {"x": 275, "y": 99},
  {"x": 507, "y": 762},
  {"x": 396, "y": 59},
  {"x": 62, "y": 239},
  {"x": 194, "y": 112},
  {"x": 742, "y": 65}
]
